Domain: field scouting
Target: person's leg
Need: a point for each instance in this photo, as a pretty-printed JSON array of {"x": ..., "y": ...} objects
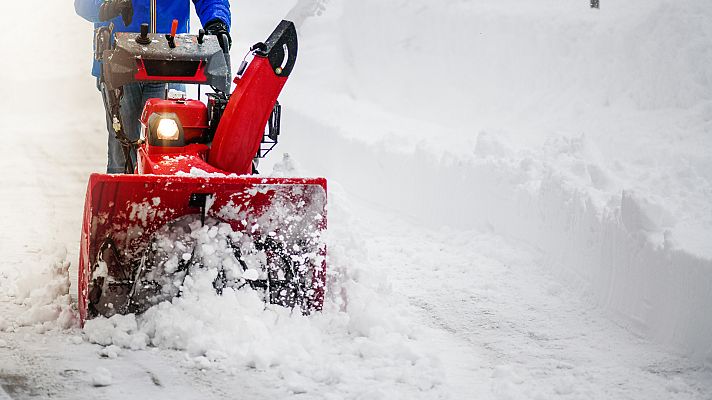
[
  {"x": 135, "y": 96},
  {"x": 115, "y": 156},
  {"x": 153, "y": 90},
  {"x": 131, "y": 106},
  {"x": 158, "y": 90}
]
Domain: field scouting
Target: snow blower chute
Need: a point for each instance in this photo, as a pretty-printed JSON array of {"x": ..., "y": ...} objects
[{"x": 194, "y": 170}]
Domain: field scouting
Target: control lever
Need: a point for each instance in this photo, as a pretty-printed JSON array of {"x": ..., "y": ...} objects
[
  {"x": 172, "y": 37},
  {"x": 143, "y": 37},
  {"x": 225, "y": 40}
]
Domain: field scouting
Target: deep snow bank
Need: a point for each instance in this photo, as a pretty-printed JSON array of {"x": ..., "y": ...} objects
[
  {"x": 585, "y": 133},
  {"x": 632, "y": 80}
]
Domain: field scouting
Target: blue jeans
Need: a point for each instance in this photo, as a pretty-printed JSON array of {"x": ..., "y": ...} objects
[{"x": 135, "y": 96}]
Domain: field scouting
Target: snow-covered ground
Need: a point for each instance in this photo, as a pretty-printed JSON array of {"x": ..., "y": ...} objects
[{"x": 520, "y": 208}]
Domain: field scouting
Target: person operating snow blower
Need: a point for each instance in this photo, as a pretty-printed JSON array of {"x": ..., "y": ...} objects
[
  {"x": 128, "y": 16},
  {"x": 148, "y": 232}
]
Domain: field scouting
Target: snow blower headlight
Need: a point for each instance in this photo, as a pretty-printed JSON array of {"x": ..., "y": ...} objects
[{"x": 165, "y": 129}]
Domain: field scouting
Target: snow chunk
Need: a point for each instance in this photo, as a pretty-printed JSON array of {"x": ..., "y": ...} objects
[
  {"x": 112, "y": 351},
  {"x": 251, "y": 275},
  {"x": 120, "y": 330},
  {"x": 76, "y": 340},
  {"x": 101, "y": 377}
]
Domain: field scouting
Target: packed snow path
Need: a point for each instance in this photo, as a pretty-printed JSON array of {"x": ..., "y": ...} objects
[
  {"x": 527, "y": 336},
  {"x": 480, "y": 314}
]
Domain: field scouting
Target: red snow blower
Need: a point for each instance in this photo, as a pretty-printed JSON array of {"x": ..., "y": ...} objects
[{"x": 195, "y": 173}]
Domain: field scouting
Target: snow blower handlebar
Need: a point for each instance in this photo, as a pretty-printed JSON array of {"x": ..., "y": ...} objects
[{"x": 150, "y": 57}]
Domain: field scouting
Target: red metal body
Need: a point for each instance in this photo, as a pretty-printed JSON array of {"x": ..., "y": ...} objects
[{"x": 156, "y": 160}]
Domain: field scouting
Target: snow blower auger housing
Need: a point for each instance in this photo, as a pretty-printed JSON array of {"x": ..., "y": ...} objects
[{"x": 194, "y": 179}]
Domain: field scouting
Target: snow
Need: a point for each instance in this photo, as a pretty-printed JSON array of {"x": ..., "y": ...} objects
[
  {"x": 119, "y": 330},
  {"x": 194, "y": 171},
  {"x": 44, "y": 289},
  {"x": 102, "y": 377},
  {"x": 236, "y": 331},
  {"x": 519, "y": 207},
  {"x": 581, "y": 132}
]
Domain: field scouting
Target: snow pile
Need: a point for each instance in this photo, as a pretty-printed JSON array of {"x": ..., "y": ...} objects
[
  {"x": 42, "y": 287},
  {"x": 635, "y": 119},
  {"x": 119, "y": 330},
  {"x": 362, "y": 339}
]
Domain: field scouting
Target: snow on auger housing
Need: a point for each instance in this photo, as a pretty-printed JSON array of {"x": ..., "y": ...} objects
[{"x": 144, "y": 231}]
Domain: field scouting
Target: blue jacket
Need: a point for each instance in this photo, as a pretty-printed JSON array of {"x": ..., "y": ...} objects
[{"x": 159, "y": 14}]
